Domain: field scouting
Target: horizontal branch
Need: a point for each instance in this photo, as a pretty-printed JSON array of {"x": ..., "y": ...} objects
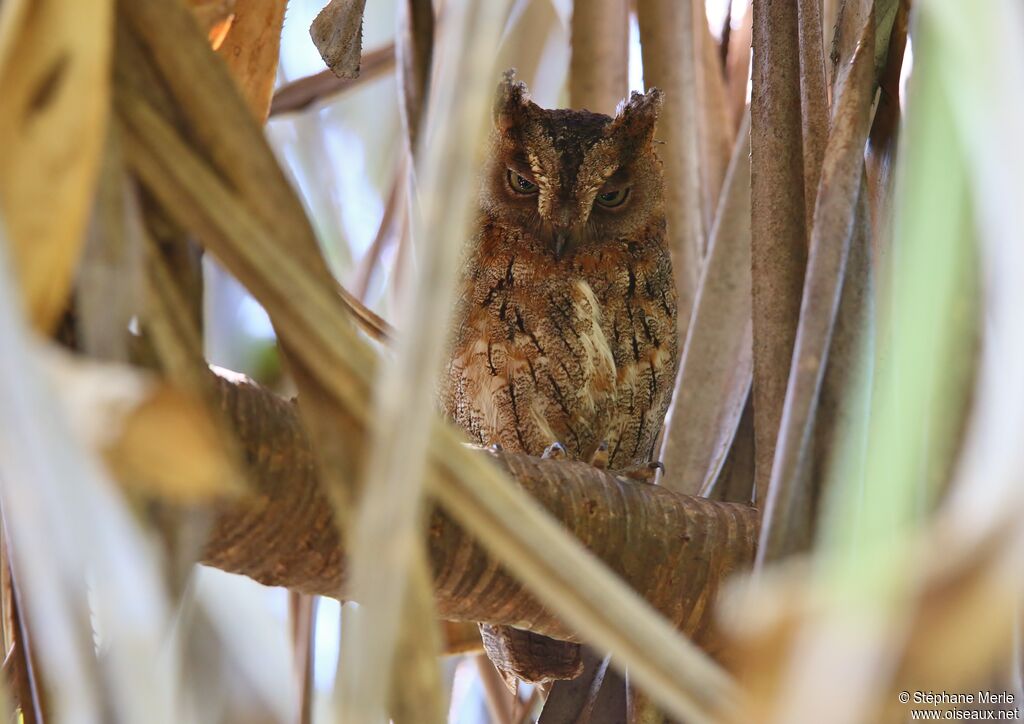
[
  {"x": 304, "y": 92},
  {"x": 674, "y": 550}
]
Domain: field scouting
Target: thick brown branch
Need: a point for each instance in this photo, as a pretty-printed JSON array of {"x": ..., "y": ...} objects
[{"x": 675, "y": 550}]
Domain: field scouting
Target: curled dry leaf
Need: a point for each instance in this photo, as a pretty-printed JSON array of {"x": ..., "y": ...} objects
[
  {"x": 157, "y": 440},
  {"x": 55, "y": 85},
  {"x": 337, "y": 32}
]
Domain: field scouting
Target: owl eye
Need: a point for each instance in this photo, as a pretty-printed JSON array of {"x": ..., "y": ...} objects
[
  {"x": 611, "y": 199},
  {"x": 519, "y": 184}
]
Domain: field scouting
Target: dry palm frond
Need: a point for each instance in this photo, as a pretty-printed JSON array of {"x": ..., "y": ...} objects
[
  {"x": 788, "y": 511},
  {"x": 55, "y": 82},
  {"x": 778, "y": 230},
  {"x": 714, "y": 377},
  {"x": 251, "y": 49}
]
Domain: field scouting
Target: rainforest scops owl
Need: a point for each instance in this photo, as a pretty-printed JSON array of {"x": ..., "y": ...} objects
[{"x": 565, "y": 323}]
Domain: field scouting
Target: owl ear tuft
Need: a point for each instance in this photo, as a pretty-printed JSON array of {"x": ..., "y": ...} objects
[
  {"x": 512, "y": 101},
  {"x": 635, "y": 118}
]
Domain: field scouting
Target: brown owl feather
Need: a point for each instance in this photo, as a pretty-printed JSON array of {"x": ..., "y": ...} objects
[{"x": 565, "y": 326}]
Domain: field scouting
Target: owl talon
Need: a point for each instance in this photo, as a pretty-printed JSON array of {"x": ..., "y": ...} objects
[
  {"x": 555, "y": 451},
  {"x": 646, "y": 473},
  {"x": 494, "y": 447},
  {"x": 600, "y": 457}
]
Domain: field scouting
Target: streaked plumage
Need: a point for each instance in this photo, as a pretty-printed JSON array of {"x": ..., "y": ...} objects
[{"x": 565, "y": 327}]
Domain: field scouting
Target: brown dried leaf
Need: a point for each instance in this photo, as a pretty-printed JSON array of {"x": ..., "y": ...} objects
[
  {"x": 337, "y": 32},
  {"x": 55, "y": 85}
]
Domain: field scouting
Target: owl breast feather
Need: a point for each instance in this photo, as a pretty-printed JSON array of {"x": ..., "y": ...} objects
[{"x": 532, "y": 366}]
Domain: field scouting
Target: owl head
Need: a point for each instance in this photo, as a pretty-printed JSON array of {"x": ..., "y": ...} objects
[{"x": 568, "y": 180}]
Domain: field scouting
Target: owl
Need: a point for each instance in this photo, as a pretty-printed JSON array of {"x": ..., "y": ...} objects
[{"x": 564, "y": 338}]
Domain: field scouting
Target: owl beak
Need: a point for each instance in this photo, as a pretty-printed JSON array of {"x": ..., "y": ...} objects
[{"x": 562, "y": 242}]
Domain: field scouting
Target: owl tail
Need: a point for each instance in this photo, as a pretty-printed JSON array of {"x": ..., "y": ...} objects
[{"x": 524, "y": 656}]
